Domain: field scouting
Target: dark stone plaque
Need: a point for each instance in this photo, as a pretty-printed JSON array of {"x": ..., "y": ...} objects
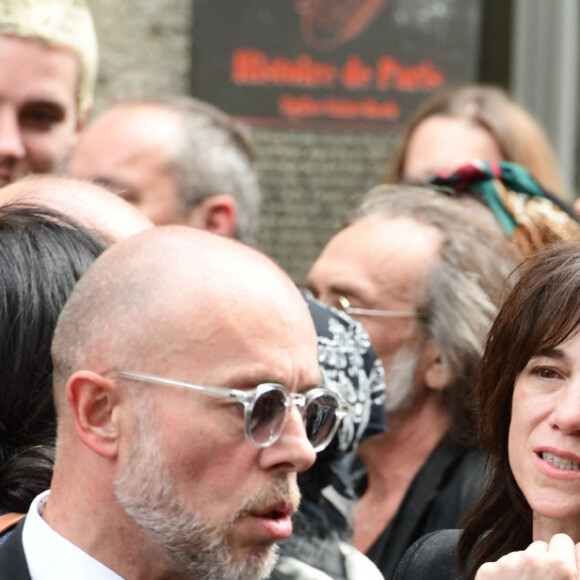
[{"x": 357, "y": 64}]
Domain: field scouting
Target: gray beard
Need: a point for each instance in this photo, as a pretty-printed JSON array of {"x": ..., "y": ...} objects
[
  {"x": 196, "y": 548},
  {"x": 400, "y": 379}
]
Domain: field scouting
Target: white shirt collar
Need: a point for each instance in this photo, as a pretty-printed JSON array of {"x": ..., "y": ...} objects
[{"x": 52, "y": 557}]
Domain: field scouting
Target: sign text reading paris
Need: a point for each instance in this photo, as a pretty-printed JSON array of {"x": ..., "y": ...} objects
[{"x": 255, "y": 67}]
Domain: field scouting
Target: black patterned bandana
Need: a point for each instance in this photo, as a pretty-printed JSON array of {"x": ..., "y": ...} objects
[{"x": 351, "y": 368}]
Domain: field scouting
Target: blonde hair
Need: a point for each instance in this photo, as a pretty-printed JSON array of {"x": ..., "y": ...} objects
[
  {"x": 61, "y": 24},
  {"x": 518, "y": 135}
]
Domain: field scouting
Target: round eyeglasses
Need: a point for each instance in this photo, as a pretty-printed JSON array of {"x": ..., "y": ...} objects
[{"x": 267, "y": 408}]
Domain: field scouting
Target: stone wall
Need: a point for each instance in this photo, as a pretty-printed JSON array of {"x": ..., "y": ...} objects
[
  {"x": 311, "y": 181},
  {"x": 144, "y": 46}
]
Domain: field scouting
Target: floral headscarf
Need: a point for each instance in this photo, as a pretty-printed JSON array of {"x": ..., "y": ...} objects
[{"x": 528, "y": 214}]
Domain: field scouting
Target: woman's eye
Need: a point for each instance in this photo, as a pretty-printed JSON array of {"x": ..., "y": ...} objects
[{"x": 545, "y": 372}]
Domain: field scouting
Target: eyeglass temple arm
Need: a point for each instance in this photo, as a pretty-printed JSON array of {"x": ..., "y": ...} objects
[
  {"x": 300, "y": 399},
  {"x": 221, "y": 392},
  {"x": 389, "y": 313},
  {"x": 345, "y": 304}
]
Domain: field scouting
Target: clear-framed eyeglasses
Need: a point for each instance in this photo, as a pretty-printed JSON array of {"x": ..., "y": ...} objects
[
  {"x": 346, "y": 307},
  {"x": 267, "y": 408}
]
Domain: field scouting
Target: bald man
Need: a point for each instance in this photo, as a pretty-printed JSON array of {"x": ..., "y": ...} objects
[
  {"x": 91, "y": 205},
  {"x": 182, "y": 361}
]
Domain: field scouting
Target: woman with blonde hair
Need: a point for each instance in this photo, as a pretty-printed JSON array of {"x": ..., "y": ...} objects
[{"x": 474, "y": 121}]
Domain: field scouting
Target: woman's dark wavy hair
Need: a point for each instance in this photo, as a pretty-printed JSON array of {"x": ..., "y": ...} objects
[
  {"x": 541, "y": 312},
  {"x": 42, "y": 255}
]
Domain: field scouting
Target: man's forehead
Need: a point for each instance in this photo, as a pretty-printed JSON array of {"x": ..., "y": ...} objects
[
  {"x": 383, "y": 244},
  {"x": 150, "y": 124},
  {"x": 377, "y": 254},
  {"x": 247, "y": 344},
  {"x": 123, "y": 140},
  {"x": 300, "y": 374},
  {"x": 45, "y": 72}
]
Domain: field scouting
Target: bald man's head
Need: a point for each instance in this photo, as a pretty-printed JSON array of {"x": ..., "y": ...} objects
[
  {"x": 174, "y": 295},
  {"x": 91, "y": 205}
]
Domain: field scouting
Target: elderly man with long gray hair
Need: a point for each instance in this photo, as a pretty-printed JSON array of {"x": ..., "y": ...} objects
[{"x": 424, "y": 276}]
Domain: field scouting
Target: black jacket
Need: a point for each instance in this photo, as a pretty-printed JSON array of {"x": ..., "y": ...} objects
[
  {"x": 442, "y": 492},
  {"x": 13, "y": 564},
  {"x": 433, "y": 557}
]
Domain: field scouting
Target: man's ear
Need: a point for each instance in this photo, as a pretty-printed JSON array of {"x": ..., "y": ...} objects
[
  {"x": 82, "y": 117},
  {"x": 95, "y": 406},
  {"x": 79, "y": 126},
  {"x": 217, "y": 214},
  {"x": 436, "y": 374}
]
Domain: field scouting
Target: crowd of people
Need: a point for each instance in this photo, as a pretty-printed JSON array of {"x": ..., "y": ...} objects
[{"x": 172, "y": 405}]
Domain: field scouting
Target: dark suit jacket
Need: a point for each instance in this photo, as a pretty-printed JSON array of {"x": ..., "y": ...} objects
[{"x": 13, "y": 564}]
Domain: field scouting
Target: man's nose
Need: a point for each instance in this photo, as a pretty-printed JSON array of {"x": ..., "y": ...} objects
[
  {"x": 11, "y": 143},
  {"x": 293, "y": 451}
]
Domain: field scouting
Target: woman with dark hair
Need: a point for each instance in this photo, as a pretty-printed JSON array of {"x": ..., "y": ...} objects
[
  {"x": 529, "y": 396},
  {"x": 42, "y": 255}
]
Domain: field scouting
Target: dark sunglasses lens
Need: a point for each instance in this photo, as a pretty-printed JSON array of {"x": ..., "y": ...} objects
[
  {"x": 320, "y": 419},
  {"x": 268, "y": 416}
]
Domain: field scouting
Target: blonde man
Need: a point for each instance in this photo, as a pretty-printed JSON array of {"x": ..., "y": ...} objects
[{"x": 49, "y": 60}]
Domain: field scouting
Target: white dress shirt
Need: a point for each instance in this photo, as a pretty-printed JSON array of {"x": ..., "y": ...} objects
[{"x": 52, "y": 557}]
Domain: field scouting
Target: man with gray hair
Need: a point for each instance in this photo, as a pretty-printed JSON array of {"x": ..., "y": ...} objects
[
  {"x": 177, "y": 159},
  {"x": 424, "y": 276},
  {"x": 48, "y": 51}
]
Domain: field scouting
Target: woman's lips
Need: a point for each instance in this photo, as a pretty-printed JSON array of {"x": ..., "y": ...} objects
[{"x": 558, "y": 463}]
